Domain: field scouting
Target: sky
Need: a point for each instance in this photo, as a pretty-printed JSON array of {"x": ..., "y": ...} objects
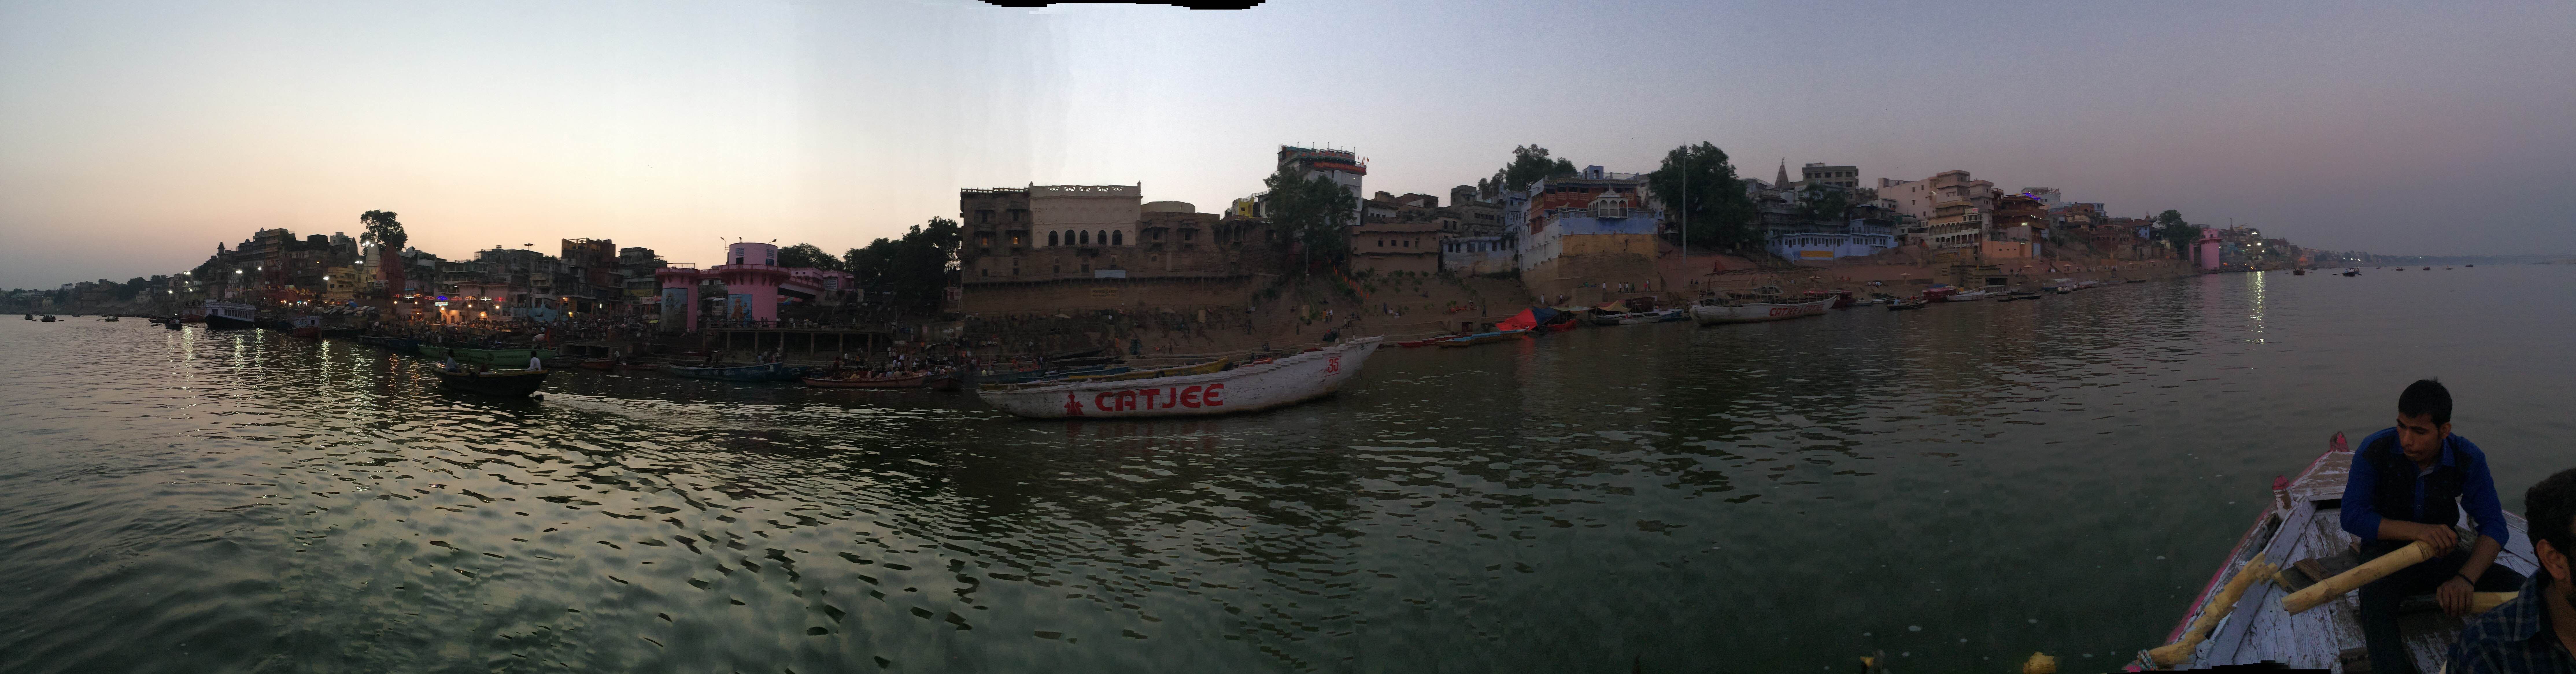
[{"x": 135, "y": 136}]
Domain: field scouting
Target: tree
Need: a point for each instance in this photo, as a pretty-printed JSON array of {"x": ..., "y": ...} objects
[
  {"x": 1316, "y": 213},
  {"x": 807, "y": 255},
  {"x": 382, "y": 229},
  {"x": 2181, "y": 235},
  {"x": 1697, "y": 183},
  {"x": 1529, "y": 164},
  {"x": 914, "y": 268},
  {"x": 1823, "y": 205},
  {"x": 388, "y": 236}
]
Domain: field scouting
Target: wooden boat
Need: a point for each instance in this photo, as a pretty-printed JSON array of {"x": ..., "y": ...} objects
[
  {"x": 1425, "y": 342},
  {"x": 174, "y": 325},
  {"x": 2298, "y": 272},
  {"x": 913, "y": 381},
  {"x": 2025, "y": 295},
  {"x": 2352, "y": 272},
  {"x": 1253, "y": 387},
  {"x": 1713, "y": 314},
  {"x": 1480, "y": 338},
  {"x": 485, "y": 356},
  {"x": 1902, "y": 305},
  {"x": 1610, "y": 319},
  {"x": 1970, "y": 296},
  {"x": 2255, "y": 628},
  {"x": 496, "y": 382},
  {"x": 308, "y": 327},
  {"x": 48, "y": 319},
  {"x": 230, "y": 316},
  {"x": 110, "y": 319},
  {"x": 945, "y": 381},
  {"x": 1218, "y": 365},
  {"x": 761, "y": 372}
]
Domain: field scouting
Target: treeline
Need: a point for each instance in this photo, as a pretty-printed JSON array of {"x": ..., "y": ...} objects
[{"x": 914, "y": 268}]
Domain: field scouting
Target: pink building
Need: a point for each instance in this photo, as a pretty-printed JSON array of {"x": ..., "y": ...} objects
[
  {"x": 2207, "y": 250},
  {"x": 754, "y": 286}
]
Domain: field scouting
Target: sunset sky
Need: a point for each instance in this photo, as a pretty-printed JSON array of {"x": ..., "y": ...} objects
[{"x": 134, "y": 136}]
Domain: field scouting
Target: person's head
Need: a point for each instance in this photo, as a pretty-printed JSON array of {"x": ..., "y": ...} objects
[
  {"x": 2551, "y": 508},
  {"x": 2423, "y": 419}
]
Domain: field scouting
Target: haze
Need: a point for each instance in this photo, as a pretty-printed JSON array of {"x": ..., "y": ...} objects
[{"x": 134, "y": 136}]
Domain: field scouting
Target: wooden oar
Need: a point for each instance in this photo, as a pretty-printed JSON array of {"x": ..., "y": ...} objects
[
  {"x": 2330, "y": 588},
  {"x": 2481, "y": 602},
  {"x": 2178, "y": 652}
]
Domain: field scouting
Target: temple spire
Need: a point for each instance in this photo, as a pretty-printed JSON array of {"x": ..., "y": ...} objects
[{"x": 1783, "y": 182}]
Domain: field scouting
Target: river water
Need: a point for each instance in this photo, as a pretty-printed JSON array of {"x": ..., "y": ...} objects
[{"x": 1957, "y": 487}]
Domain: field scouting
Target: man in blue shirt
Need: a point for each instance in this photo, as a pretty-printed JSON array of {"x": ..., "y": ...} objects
[
  {"x": 2536, "y": 631},
  {"x": 2411, "y": 483}
]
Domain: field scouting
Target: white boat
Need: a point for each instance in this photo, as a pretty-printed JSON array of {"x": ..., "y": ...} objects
[
  {"x": 1970, "y": 296},
  {"x": 1250, "y": 388},
  {"x": 1712, "y": 314},
  {"x": 2303, "y": 521},
  {"x": 227, "y": 315}
]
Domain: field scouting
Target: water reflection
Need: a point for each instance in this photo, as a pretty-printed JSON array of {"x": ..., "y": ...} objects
[{"x": 1809, "y": 490}]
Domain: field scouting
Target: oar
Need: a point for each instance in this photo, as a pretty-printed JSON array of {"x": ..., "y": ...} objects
[
  {"x": 2330, "y": 588},
  {"x": 2178, "y": 652}
]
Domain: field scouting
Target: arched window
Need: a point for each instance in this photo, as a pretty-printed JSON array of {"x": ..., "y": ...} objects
[
  {"x": 1102, "y": 237},
  {"x": 1051, "y": 238},
  {"x": 1086, "y": 238},
  {"x": 1117, "y": 238}
]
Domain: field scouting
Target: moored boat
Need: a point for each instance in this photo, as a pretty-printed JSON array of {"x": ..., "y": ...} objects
[
  {"x": 497, "y": 382},
  {"x": 230, "y": 315},
  {"x": 308, "y": 327},
  {"x": 1481, "y": 338},
  {"x": 1969, "y": 296},
  {"x": 1253, "y": 387},
  {"x": 1218, "y": 365},
  {"x": 867, "y": 382},
  {"x": 2298, "y": 532},
  {"x": 1713, "y": 314},
  {"x": 1903, "y": 304},
  {"x": 761, "y": 372},
  {"x": 494, "y": 357}
]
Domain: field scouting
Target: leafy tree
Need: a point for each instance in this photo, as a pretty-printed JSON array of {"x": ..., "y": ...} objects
[
  {"x": 383, "y": 229},
  {"x": 131, "y": 288},
  {"x": 915, "y": 268},
  {"x": 1823, "y": 205},
  {"x": 1719, "y": 213},
  {"x": 1529, "y": 164},
  {"x": 807, "y": 255},
  {"x": 2181, "y": 235},
  {"x": 1316, "y": 213},
  {"x": 388, "y": 236}
]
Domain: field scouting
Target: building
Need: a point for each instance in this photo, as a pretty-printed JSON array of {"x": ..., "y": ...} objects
[
  {"x": 589, "y": 278},
  {"x": 1476, "y": 217},
  {"x": 1400, "y": 234},
  {"x": 2048, "y": 197},
  {"x": 1918, "y": 198},
  {"x": 754, "y": 287},
  {"x": 1084, "y": 216},
  {"x": 1816, "y": 173},
  {"x": 1588, "y": 236},
  {"x": 1340, "y": 166},
  {"x": 2018, "y": 218}
]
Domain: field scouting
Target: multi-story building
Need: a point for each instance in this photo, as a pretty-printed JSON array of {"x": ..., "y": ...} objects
[
  {"x": 1955, "y": 225},
  {"x": 1340, "y": 166},
  {"x": 996, "y": 221},
  {"x": 1816, "y": 173},
  {"x": 635, "y": 267},
  {"x": 1588, "y": 236},
  {"x": 1918, "y": 198},
  {"x": 1083, "y": 216},
  {"x": 2017, "y": 218},
  {"x": 1476, "y": 217},
  {"x": 588, "y": 279}
]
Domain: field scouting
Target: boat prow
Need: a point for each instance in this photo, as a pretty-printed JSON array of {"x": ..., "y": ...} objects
[{"x": 2256, "y": 628}]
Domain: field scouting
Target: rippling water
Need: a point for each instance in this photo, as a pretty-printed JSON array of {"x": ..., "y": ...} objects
[{"x": 1958, "y": 487}]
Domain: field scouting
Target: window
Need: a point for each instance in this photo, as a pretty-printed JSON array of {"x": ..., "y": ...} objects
[
  {"x": 1117, "y": 238},
  {"x": 1051, "y": 238},
  {"x": 1189, "y": 234}
]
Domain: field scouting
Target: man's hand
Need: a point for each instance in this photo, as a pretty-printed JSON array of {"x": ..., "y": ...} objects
[
  {"x": 2442, "y": 538},
  {"x": 2455, "y": 597}
]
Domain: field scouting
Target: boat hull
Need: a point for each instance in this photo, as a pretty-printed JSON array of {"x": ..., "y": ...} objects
[
  {"x": 745, "y": 373},
  {"x": 886, "y": 383},
  {"x": 1251, "y": 388},
  {"x": 1758, "y": 312},
  {"x": 512, "y": 383}
]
